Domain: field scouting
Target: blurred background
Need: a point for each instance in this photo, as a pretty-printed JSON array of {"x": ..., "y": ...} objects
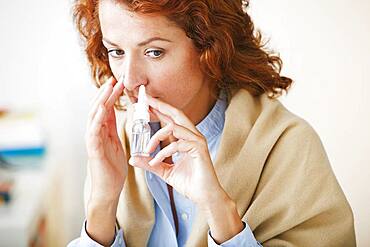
[{"x": 45, "y": 92}]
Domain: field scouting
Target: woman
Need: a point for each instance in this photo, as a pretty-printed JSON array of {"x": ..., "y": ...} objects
[{"x": 229, "y": 164}]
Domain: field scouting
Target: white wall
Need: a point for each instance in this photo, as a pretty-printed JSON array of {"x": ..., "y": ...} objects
[{"x": 324, "y": 46}]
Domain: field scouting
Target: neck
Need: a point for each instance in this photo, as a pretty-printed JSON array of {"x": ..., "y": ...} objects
[
  {"x": 202, "y": 104},
  {"x": 198, "y": 108}
]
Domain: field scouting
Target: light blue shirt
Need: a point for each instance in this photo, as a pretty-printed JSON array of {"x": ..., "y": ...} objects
[{"x": 164, "y": 233}]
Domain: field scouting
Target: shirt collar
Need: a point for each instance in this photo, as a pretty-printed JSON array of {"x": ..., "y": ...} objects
[{"x": 213, "y": 123}]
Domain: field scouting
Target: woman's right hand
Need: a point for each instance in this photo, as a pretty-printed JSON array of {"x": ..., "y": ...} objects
[{"x": 107, "y": 162}]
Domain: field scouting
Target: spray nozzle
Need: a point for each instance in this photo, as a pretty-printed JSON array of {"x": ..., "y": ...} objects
[
  {"x": 142, "y": 96},
  {"x": 141, "y": 107}
]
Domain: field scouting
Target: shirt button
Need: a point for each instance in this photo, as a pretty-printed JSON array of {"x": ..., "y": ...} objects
[
  {"x": 184, "y": 216},
  {"x": 150, "y": 176},
  {"x": 119, "y": 240}
]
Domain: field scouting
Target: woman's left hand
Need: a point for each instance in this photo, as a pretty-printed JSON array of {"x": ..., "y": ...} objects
[{"x": 193, "y": 174}]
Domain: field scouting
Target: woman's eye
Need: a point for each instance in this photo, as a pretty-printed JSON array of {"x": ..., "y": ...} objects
[
  {"x": 154, "y": 53},
  {"x": 116, "y": 53}
]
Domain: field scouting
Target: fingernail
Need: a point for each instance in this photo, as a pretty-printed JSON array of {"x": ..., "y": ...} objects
[
  {"x": 120, "y": 80},
  {"x": 130, "y": 161}
]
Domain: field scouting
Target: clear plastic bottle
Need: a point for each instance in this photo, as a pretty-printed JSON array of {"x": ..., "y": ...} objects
[{"x": 140, "y": 127}]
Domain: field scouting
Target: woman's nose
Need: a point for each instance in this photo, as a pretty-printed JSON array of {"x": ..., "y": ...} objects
[{"x": 134, "y": 76}]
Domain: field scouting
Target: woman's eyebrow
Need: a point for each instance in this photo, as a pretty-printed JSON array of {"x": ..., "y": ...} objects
[
  {"x": 145, "y": 42},
  {"x": 151, "y": 40}
]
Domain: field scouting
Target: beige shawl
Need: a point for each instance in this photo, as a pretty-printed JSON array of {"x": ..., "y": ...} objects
[{"x": 273, "y": 165}]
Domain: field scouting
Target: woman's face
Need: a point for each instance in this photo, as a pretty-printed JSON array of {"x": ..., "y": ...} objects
[{"x": 153, "y": 51}]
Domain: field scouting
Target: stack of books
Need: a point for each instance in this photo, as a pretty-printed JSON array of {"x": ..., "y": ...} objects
[
  {"x": 21, "y": 138},
  {"x": 6, "y": 186}
]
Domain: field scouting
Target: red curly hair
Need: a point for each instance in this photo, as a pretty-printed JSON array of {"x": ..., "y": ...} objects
[{"x": 231, "y": 51}]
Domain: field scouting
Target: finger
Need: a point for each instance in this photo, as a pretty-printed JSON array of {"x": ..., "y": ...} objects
[
  {"x": 143, "y": 162},
  {"x": 176, "y": 115},
  {"x": 162, "y": 118},
  {"x": 101, "y": 89},
  {"x": 100, "y": 101},
  {"x": 159, "y": 136},
  {"x": 117, "y": 91},
  {"x": 103, "y": 94},
  {"x": 177, "y": 131},
  {"x": 139, "y": 161},
  {"x": 153, "y": 116},
  {"x": 111, "y": 122},
  {"x": 181, "y": 146},
  {"x": 121, "y": 79},
  {"x": 168, "y": 151},
  {"x": 130, "y": 97},
  {"x": 182, "y": 133},
  {"x": 108, "y": 83},
  {"x": 97, "y": 122}
]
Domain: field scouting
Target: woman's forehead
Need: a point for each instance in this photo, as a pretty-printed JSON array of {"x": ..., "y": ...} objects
[
  {"x": 119, "y": 14},
  {"x": 116, "y": 19}
]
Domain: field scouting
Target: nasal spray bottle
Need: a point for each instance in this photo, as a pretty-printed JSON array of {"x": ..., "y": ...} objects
[{"x": 140, "y": 126}]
